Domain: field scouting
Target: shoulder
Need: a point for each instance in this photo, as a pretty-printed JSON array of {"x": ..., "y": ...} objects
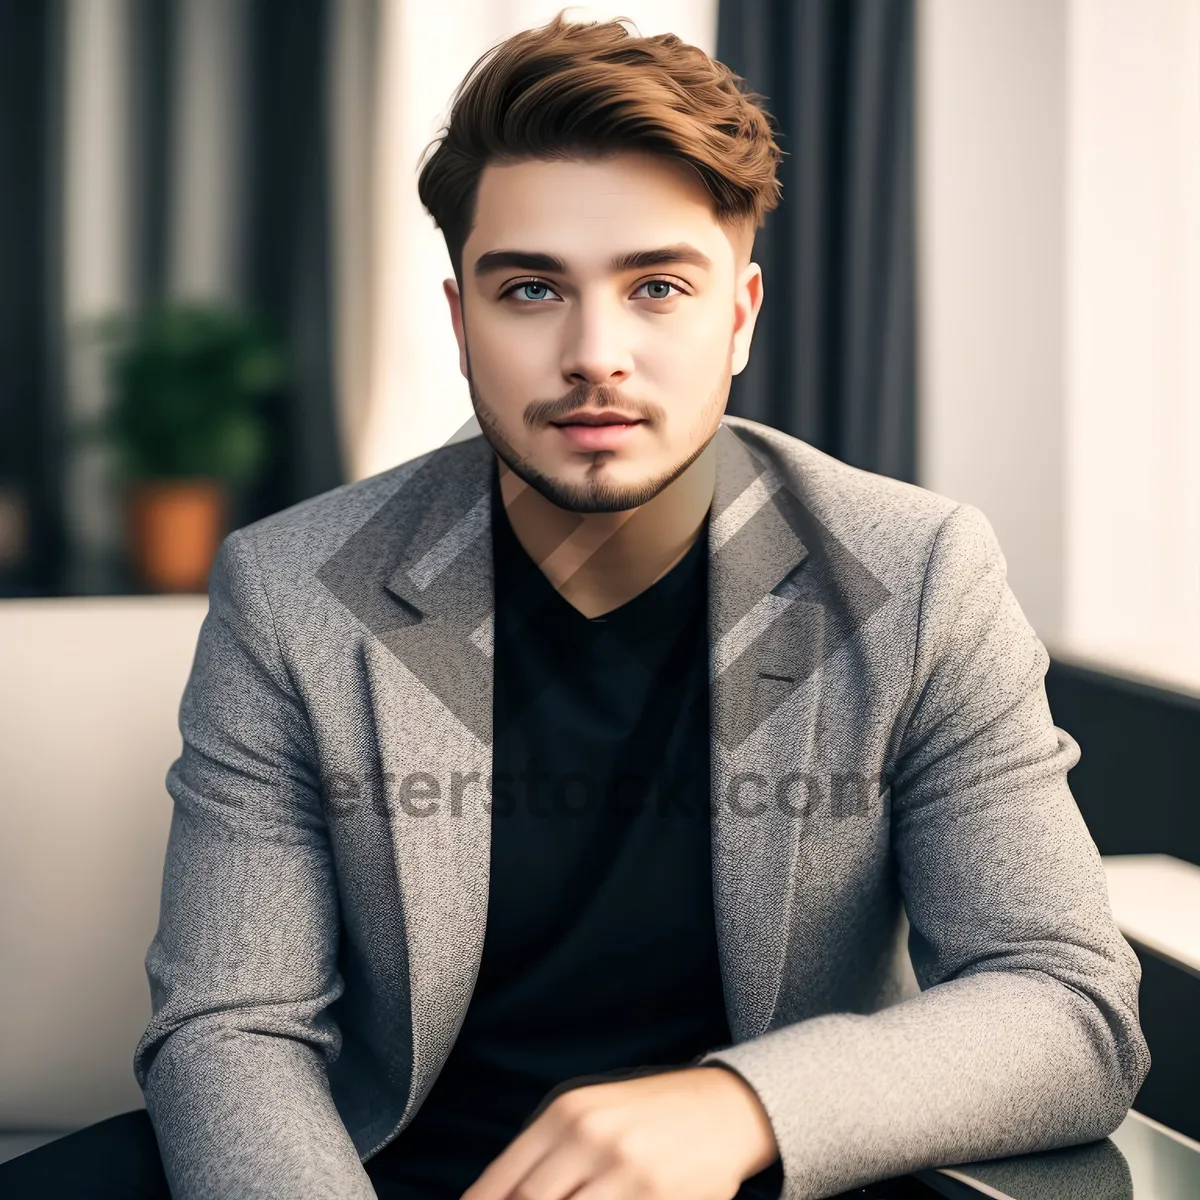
[
  {"x": 888, "y": 525},
  {"x": 304, "y": 535}
]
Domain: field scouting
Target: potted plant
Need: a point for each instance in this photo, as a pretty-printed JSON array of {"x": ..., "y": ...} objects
[{"x": 187, "y": 381}]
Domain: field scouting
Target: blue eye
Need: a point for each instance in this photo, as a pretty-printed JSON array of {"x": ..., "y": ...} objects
[{"x": 529, "y": 283}]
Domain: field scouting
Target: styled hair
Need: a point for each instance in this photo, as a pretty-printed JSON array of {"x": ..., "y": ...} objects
[{"x": 588, "y": 90}]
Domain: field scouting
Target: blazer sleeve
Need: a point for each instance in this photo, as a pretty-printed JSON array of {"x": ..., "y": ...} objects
[
  {"x": 1025, "y": 1034},
  {"x": 243, "y": 966}
]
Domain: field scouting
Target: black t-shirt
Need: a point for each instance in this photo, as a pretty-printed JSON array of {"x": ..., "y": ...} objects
[{"x": 600, "y": 952}]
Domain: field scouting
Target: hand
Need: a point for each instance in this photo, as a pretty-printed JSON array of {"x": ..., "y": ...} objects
[{"x": 691, "y": 1134}]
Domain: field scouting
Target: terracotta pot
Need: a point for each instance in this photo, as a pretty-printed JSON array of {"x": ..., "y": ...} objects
[{"x": 175, "y": 530}]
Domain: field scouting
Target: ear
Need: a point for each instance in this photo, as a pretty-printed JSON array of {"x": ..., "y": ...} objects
[
  {"x": 453, "y": 297},
  {"x": 748, "y": 300}
]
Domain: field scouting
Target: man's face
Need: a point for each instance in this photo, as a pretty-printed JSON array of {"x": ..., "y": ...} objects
[{"x": 659, "y": 342}]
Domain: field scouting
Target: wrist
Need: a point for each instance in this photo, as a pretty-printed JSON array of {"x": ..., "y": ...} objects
[{"x": 756, "y": 1137}]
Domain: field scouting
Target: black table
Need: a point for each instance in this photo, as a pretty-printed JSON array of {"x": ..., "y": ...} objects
[{"x": 1141, "y": 1160}]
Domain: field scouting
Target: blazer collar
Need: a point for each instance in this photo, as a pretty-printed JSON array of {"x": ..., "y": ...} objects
[{"x": 443, "y": 575}]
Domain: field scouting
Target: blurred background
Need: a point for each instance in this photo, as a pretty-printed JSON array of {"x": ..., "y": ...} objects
[{"x": 220, "y": 295}]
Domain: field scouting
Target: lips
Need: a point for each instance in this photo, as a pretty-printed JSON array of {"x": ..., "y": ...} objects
[
  {"x": 607, "y": 434},
  {"x": 605, "y": 418}
]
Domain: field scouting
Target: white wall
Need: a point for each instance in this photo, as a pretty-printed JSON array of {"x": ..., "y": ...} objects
[
  {"x": 991, "y": 102},
  {"x": 1132, "y": 400},
  {"x": 1059, "y": 266}
]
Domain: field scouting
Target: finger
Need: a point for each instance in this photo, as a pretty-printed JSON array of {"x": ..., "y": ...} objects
[
  {"x": 572, "y": 1163},
  {"x": 608, "y": 1186},
  {"x": 502, "y": 1175}
]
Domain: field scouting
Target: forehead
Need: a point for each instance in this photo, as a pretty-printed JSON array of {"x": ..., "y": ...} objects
[{"x": 586, "y": 210}]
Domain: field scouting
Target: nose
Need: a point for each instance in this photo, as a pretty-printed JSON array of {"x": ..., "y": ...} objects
[{"x": 597, "y": 349}]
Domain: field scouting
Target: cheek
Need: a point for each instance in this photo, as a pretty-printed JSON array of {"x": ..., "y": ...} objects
[
  {"x": 695, "y": 364},
  {"x": 513, "y": 349}
]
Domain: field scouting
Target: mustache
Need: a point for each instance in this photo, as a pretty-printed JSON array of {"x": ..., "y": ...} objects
[{"x": 539, "y": 413}]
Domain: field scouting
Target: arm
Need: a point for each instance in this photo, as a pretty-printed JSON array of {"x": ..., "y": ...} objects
[
  {"x": 1025, "y": 1036},
  {"x": 243, "y": 965}
]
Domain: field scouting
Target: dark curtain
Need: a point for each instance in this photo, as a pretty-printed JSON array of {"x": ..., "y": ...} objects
[
  {"x": 288, "y": 263},
  {"x": 151, "y": 109},
  {"x": 285, "y": 264},
  {"x": 30, "y": 354},
  {"x": 834, "y": 357}
]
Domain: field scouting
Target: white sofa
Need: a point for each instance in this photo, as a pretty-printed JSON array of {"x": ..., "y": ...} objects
[{"x": 88, "y": 728}]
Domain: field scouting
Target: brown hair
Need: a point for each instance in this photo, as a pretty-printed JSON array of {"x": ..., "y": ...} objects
[{"x": 589, "y": 90}]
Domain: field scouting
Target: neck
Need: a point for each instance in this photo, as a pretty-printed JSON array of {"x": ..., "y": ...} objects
[{"x": 599, "y": 561}]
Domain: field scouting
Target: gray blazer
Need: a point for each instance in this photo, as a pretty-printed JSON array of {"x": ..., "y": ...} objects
[{"x": 919, "y": 959}]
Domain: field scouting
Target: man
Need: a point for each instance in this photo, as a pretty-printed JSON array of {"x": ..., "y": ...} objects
[{"x": 792, "y": 894}]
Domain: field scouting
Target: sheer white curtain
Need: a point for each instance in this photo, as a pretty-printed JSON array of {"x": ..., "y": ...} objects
[
  {"x": 98, "y": 273},
  {"x": 397, "y": 65},
  {"x": 354, "y": 120}
]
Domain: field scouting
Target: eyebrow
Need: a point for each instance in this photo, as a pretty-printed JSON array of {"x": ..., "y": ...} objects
[{"x": 551, "y": 264}]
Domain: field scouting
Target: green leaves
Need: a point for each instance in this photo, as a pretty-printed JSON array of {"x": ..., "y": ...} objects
[{"x": 188, "y": 383}]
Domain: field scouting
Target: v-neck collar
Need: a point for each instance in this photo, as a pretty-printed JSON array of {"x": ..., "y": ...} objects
[{"x": 648, "y": 608}]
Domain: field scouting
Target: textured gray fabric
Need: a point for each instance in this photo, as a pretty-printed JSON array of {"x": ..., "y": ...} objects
[{"x": 881, "y": 743}]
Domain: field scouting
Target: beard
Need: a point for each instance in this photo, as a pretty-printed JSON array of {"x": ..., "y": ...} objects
[{"x": 596, "y": 494}]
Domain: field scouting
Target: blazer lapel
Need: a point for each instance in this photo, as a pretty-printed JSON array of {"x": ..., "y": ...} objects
[
  {"x": 765, "y": 644},
  {"x": 430, "y": 676},
  {"x": 436, "y": 666}
]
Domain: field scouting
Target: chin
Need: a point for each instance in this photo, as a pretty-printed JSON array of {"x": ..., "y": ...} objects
[
  {"x": 596, "y": 496},
  {"x": 597, "y": 492}
]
